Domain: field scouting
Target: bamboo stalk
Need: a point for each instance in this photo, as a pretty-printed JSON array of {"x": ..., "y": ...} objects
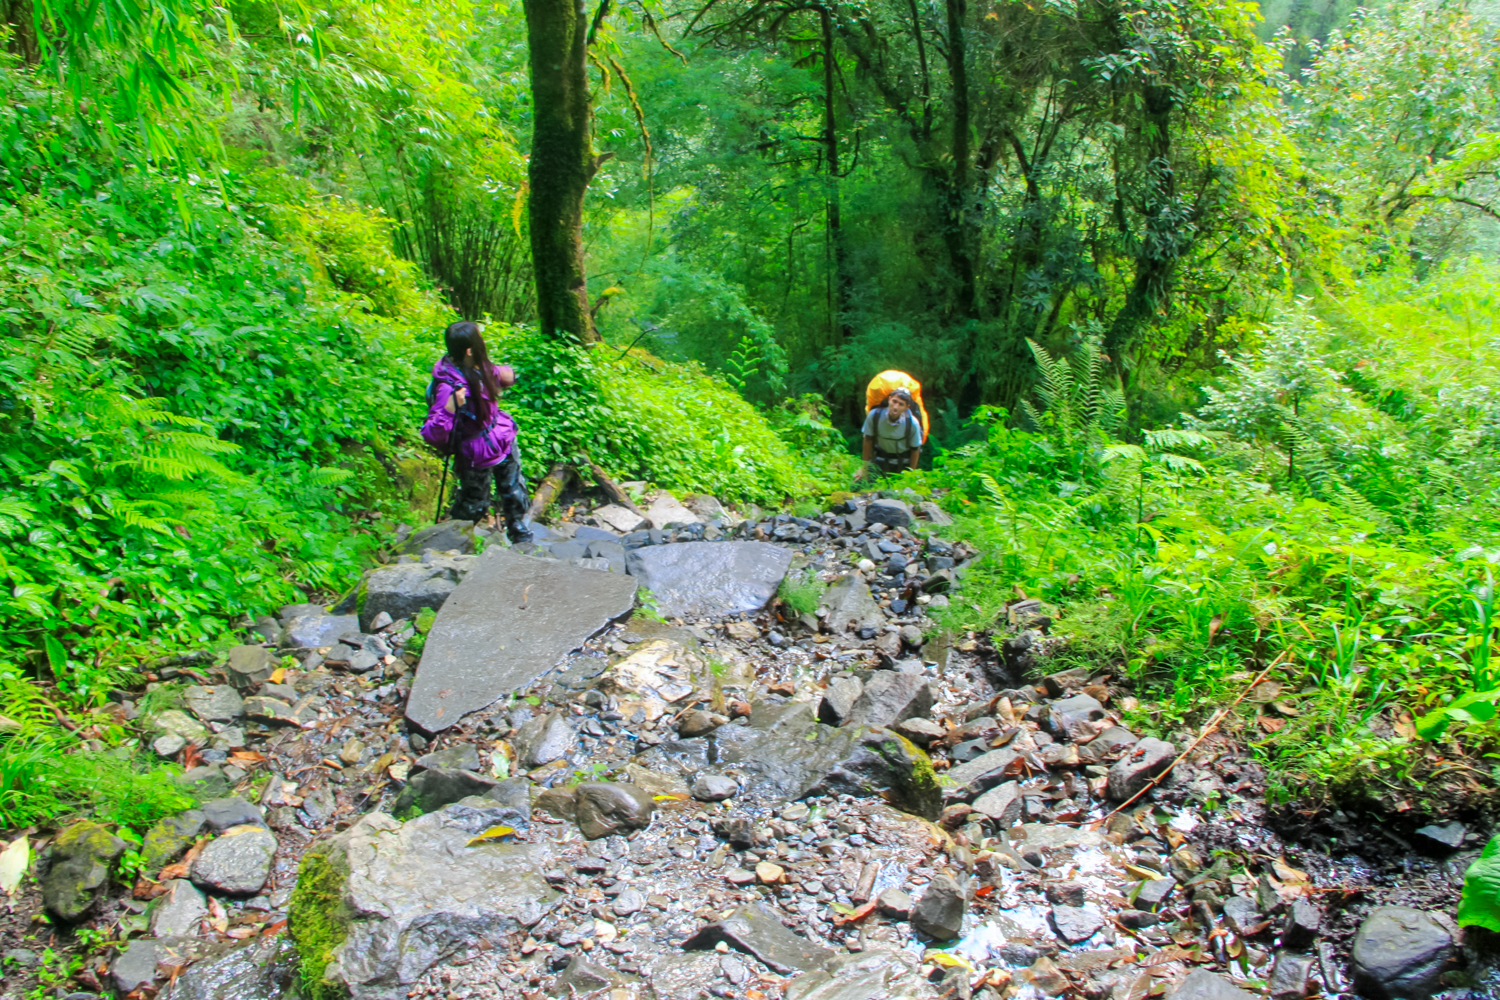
[{"x": 548, "y": 488}]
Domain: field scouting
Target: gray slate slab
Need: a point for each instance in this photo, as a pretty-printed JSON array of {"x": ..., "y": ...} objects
[
  {"x": 693, "y": 579},
  {"x": 512, "y": 619}
]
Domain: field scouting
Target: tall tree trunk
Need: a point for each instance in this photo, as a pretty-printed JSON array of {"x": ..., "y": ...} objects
[
  {"x": 840, "y": 286},
  {"x": 955, "y": 193},
  {"x": 1162, "y": 240},
  {"x": 562, "y": 164}
]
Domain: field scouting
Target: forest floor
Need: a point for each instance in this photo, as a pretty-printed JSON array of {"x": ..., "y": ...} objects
[{"x": 764, "y": 819}]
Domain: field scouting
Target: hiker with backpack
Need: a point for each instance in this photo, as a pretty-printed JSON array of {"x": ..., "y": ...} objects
[
  {"x": 464, "y": 422},
  {"x": 895, "y": 426}
]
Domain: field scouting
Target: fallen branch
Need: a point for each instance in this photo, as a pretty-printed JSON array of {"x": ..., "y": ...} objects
[
  {"x": 611, "y": 488},
  {"x": 547, "y": 489},
  {"x": 1209, "y": 727}
]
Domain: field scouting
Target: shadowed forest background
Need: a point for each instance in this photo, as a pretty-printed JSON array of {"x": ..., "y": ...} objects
[{"x": 1202, "y": 298}]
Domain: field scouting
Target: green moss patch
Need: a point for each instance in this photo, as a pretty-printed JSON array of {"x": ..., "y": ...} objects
[{"x": 318, "y": 921}]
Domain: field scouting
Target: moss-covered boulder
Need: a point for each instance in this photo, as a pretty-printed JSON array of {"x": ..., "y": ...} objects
[
  {"x": 79, "y": 867},
  {"x": 169, "y": 839},
  {"x": 377, "y": 906}
]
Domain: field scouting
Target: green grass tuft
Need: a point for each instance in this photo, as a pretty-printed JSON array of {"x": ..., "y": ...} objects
[{"x": 802, "y": 594}]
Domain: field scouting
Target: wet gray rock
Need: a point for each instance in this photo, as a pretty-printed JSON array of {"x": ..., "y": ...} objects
[
  {"x": 221, "y": 814},
  {"x": 181, "y": 724},
  {"x": 1154, "y": 893},
  {"x": 511, "y": 619},
  {"x": 696, "y": 579},
  {"x": 1292, "y": 977},
  {"x": 935, "y": 514},
  {"x": 404, "y": 589},
  {"x": 1076, "y": 923},
  {"x": 939, "y": 913},
  {"x": 1071, "y": 718},
  {"x": 416, "y": 893},
  {"x": 316, "y": 631},
  {"x": 1400, "y": 953},
  {"x": 894, "y": 903},
  {"x": 758, "y": 932},
  {"x": 980, "y": 774},
  {"x": 1303, "y": 921},
  {"x": 265, "y": 969},
  {"x": 214, "y": 703},
  {"x": 896, "y": 513},
  {"x": 696, "y": 722},
  {"x": 236, "y": 863},
  {"x": 445, "y": 536},
  {"x": 1443, "y": 839},
  {"x": 714, "y": 788},
  {"x": 170, "y": 838},
  {"x": 249, "y": 666},
  {"x": 608, "y": 807},
  {"x": 920, "y": 731},
  {"x": 82, "y": 856},
  {"x": 850, "y": 607},
  {"x": 543, "y": 740},
  {"x": 177, "y": 912},
  {"x": 168, "y": 745},
  {"x": 1201, "y": 984},
  {"x": 1001, "y": 804},
  {"x": 628, "y": 902},
  {"x": 839, "y": 699},
  {"x": 430, "y": 790},
  {"x": 135, "y": 967},
  {"x": 463, "y": 756},
  {"x": 890, "y": 697},
  {"x": 1134, "y": 771},
  {"x": 1243, "y": 915}
]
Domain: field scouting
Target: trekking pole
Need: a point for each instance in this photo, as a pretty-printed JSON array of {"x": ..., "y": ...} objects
[{"x": 441, "y": 487}]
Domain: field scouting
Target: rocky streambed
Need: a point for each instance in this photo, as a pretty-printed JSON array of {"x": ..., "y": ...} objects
[{"x": 714, "y": 795}]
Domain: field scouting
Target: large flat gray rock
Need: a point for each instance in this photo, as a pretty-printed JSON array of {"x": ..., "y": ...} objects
[
  {"x": 417, "y": 892},
  {"x": 512, "y": 619},
  {"x": 709, "y": 578}
]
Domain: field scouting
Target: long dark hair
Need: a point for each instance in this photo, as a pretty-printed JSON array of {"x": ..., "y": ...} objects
[{"x": 464, "y": 337}]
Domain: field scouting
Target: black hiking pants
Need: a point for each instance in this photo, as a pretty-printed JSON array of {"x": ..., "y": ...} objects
[{"x": 475, "y": 486}]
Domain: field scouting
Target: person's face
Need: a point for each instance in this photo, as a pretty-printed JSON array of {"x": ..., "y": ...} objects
[{"x": 896, "y": 408}]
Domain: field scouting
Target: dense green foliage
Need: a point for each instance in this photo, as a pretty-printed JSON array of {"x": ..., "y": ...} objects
[{"x": 1205, "y": 323}]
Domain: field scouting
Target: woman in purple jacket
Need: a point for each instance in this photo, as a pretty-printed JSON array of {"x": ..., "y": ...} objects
[{"x": 463, "y": 420}]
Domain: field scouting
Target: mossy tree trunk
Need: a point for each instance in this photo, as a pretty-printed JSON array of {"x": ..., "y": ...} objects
[{"x": 562, "y": 162}]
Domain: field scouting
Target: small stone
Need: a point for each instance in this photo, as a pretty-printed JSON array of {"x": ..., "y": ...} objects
[
  {"x": 895, "y": 513},
  {"x": 464, "y": 756},
  {"x": 1076, "y": 923},
  {"x": 430, "y": 790},
  {"x": 1154, "y": 893},
  {"x": 606, "y": 808},
  {"x": 179, "y": 723},
  {"x": 1067, "y": 894},
  {"x": 1060, "y": 683},
  {"x": 1073, "y": 718},
  {"x": 743, "y": 631},
  {"x": 177, "y": 912},
  {"x": 1302, "y": 925},
  {"x": 1201, "y": 984},
  {"x": 696, "y": 722},
  {"x": 894, "y": 903},
  {"x": 591, "y": 866},
  {"x": 135, "y": 967},
  {"x": 221, "y": 814},
  {"x": 351, "y": 752},
  {"x": 922, "y": 732},
  {"x": 1047, "y": 977},
  {"x": 543, "y": 740},
  {"x": 380, "y": 621},
  {"x": 21, "y": 958},
  {"x": 1400, "y": 953},
  {"x": 82, "y": 856},
  {"x": 1292, "y": 976},
  {"x": 1243, "y": 915},
  {"x": 739, "y": 876},
  {"x": 940, "y": 912},
  {"x": 770, "y": 873},
  {"x": 1001, "y": 804},
  {"x": 249, "y": 666},
  {"x": 1137, "y": 919},
  {"x": 1134, "y": 771},
  {"x": 734, "y": 970},
  {"x": 1445, "y": 838},
  {"x": 890, "y": 697},
  {"x": 912, "y": 636},
  {"x": 839, "y": 699},
  {"x": 169, "y": 838},
  {"x": 628, "y": 902},
  {"x": 268, "y": 709},
  {"x": 214, "y": 703},
  {"x": 714, "y": 788},
  {"x": 236, "y": 863},
  {"x": 168, "y": 745}
]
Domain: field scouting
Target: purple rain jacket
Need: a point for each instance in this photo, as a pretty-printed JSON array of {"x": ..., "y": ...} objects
[{"x": 479, "y": 448}]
